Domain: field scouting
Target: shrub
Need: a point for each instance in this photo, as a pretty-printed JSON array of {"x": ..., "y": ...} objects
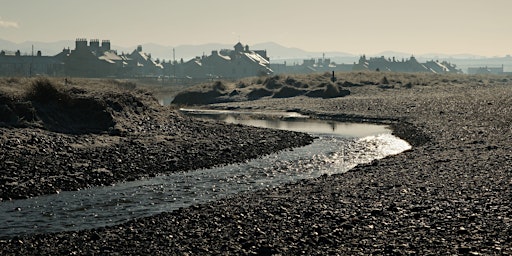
[
  {"x": 259, "y": 93},
  {"x": 332, "y": 90},
  {"x": 127, "y": 85},
  {"x": 12, "y": 80},
  {"x": 273, "y": 83},
  {"x": 288, "y": 92},
  {"x": 219, "y": 86},
  {"x": 241, "y": 84},
  {"x": 43, "y": 90},
  {"x": 384, "y": 80},
  {"x": 290, "y": 81}
]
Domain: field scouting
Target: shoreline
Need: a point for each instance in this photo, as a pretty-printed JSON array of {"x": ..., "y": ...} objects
[{"x": 449, "y": 194}]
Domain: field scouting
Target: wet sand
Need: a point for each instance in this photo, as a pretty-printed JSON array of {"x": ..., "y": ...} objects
[{"x": 450, "y": 194}]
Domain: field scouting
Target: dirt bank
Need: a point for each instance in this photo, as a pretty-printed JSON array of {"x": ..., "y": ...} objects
[{"x": 450, "y": 194}]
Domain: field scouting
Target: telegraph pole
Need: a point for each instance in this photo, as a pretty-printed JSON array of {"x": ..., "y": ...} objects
[
  {"x": 31, "y": 63},
  {"x": 174, "y": 64}
]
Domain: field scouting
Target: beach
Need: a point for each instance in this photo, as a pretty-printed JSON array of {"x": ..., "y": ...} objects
[{"x": 449, "y": 194}]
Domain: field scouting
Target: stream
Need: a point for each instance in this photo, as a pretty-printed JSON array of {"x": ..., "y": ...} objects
[{"x": 337, "y": 148}]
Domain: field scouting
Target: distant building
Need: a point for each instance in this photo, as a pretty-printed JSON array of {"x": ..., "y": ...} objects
[
  {"x": 486, "y": 70},
  {"x": 141, "y": 64},
  {"x": 441, "y": 67},
  {"x": 16, "y": 64},
  {"x": 96, "y": 59},
  {"x": 84, "y": 60},
  {"x": 311, "y": 66},
  {"x": 410, "y": 65},
  {"x": 237, "y": 63}
]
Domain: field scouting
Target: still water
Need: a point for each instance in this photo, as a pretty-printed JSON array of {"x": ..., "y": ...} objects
[{"x": 337, "y": 148}]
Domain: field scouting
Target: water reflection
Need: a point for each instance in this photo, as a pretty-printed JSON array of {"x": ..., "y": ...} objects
[
  {"x": 291, "y": 121},
  {"x": 334, "y": 151}
]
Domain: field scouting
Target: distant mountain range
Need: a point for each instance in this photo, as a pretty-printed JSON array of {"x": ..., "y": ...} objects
[{"x": 277, "y": 53}]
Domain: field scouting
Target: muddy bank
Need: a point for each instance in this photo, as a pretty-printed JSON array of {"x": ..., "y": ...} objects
[
  {"x": 67, "y": 138},
  {"x": 450, "y": 194}
]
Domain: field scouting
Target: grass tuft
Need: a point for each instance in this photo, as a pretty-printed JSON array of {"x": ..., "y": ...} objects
[{"x": 43, "y": 90}]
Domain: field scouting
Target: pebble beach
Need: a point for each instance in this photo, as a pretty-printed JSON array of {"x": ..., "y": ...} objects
[{"x": 449, "y": 195}]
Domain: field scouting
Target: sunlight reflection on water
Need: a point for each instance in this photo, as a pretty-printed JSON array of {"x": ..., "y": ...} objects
[{"x": 338, "y": 148}]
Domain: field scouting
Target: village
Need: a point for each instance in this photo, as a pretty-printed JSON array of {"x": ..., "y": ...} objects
[{"x": 95, "y": 59}]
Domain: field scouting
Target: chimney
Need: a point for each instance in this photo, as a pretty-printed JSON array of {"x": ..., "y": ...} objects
[
  {"x": 80, "y": 44},
  {"x": 105, "y": 45},
  {"x": 95, "y": 45}
]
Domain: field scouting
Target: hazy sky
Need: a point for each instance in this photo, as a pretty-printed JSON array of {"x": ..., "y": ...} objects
[{"x": 354, "y": 26}]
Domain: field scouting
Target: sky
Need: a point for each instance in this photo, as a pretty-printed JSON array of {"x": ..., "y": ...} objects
[{"x": 353, "y": 26}]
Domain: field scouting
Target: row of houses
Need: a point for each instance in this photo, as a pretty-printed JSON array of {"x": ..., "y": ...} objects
[
  {"x": 319, "y": 65},
  {"x": 237, "y": 63},
  {"x": 88, "y": 59},
  {"x": 410, "y": 65},
  {"x": 96, "y": 59},
  {"x": 15, "y": 64},
  {"x": 487, "y": 70}
]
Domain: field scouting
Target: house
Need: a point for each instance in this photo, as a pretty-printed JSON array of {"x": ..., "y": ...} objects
[
  {"x": 441, "y": 67},
  {"x": 245, "y": 62},
  {"x": 91, "y": 59},
  {"x": 141, "y": 64},
  {"x": 312, "y": 65},
  {"x": 232, "y": 64},
  {"x": 16, "y": 64},
  {"x": 486, "y": 70}
]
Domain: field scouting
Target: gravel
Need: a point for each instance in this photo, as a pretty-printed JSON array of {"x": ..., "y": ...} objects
[
  {"x": 450, "y": 194},
  {"x": 146, "y": 140}
]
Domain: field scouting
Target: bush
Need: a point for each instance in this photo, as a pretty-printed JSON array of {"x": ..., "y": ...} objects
[
  {"x": 127, "y": 85},
  {"x": 43, "y": 90},
  {"x": 288, "y": 92},
  {"x": 258, "y": 94},
  {"x": 241, "y": 84},
  {"x": 384, "y": 80},
  {"x": 219, "y": 86},
  {"x": 273, "y": 83},
  {"x": 332, "y": 90},
  {"x": 12, "y": 80}
]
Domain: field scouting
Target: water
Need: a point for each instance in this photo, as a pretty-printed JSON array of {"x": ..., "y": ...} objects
[
  {"x": 338, "y": 148},
  {"x": 291, "y": 121}
]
